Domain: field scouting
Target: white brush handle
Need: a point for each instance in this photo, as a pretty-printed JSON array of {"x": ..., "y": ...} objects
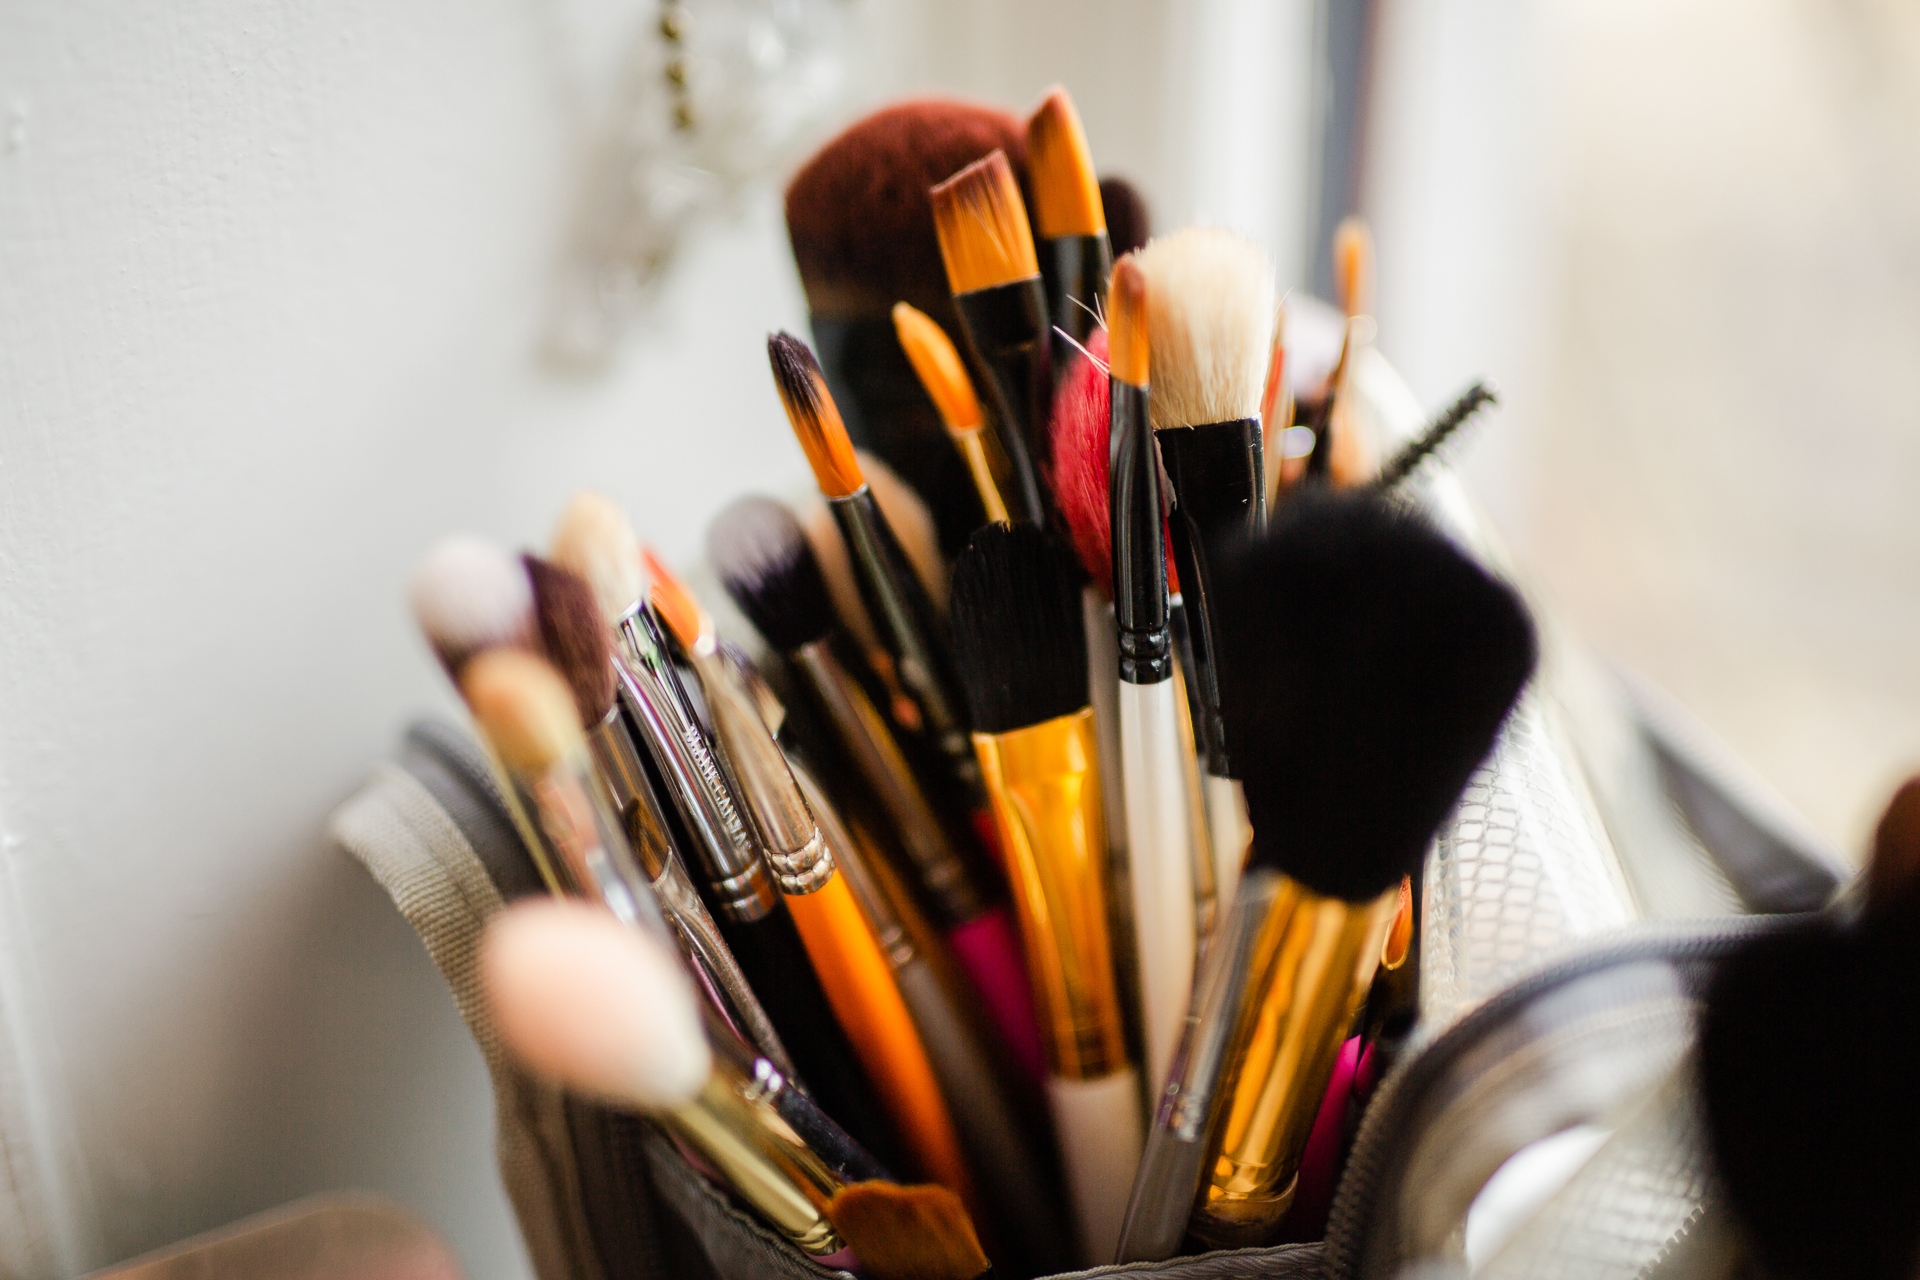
[
  {"x": 1159, "y": 857},
  {"x": 1227, "y": 821},
  {"x": 1098, "y": 1122}
]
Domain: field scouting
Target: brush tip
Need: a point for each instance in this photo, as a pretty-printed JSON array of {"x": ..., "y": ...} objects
[
  {"x": 1066, "y": 191},
  {"x": 941, "y": 371},
  {"x": 1210, "y": 326},
  {"x": 1129, "y": 220},
  {"x": 523, "y": 707},
  {"x": 593, "y": 540},
  {"x": 762, "y": 556},
  {"x": 469, "y": 595},
  {"x": 1353, "y": 266},
  {"x": 1128, "y": 351},
  {"x": 1079, "y": 474},
  {"x": 981, "y": 222},
  {"x": 1017, "y": 629},
  {"x": 675, "y": 604},
  {"x": 813, "y": 415},
  {"x": 908, "y": 1232},
  {"x": 593, "y": 1004},
  {"x": 574, "y": 636}
]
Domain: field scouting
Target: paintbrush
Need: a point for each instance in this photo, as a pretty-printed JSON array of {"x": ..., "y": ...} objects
[
  {"x": 936, "y": 362},
  {"x": 1017, "y": 635},
  {"x": 1159, "y": 835},
  {"x": 1208, "y": 326},
  {"x": 987, "y": 247},
  {"x": 1069, "y": 223},
  {"x": 858, "y": 981},
  {"x": 1366, "y": 672}
]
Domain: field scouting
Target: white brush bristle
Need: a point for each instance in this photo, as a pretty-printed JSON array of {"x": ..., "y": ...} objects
[
  {"x": 469, "y": 595},
  {"x": 1210, "y": 302},
  {"x": 602, "y": 1008},
  {"x": 594, "y": 540}
]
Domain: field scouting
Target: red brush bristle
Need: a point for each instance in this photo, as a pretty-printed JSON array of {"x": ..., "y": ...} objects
[{"x": 1078, "y": 439}]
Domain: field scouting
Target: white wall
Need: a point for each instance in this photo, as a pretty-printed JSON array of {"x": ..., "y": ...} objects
[{"x": 271, "y": 278}]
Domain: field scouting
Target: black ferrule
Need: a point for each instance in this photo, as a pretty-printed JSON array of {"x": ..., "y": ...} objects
[
  {"x": 1216, "y": 474},
  {"x": 1139, "y": 555},
  {"x": 1075, "y": 269},
  {"x": 1006, "y": 326}
]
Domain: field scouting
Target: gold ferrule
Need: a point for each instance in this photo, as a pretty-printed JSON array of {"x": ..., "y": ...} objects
[
  {"x": 1311, "y": 967},
  {"x": 1044, "y": 782},
  {"x": 765, "y": 1161}
]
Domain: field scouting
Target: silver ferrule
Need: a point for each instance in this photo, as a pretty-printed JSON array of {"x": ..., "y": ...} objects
[
  {"x": 941, "y": 868},
  {"x": 623, "y": 781},
  {"x": 794, "y": 846},
  {"x": 725, "y": 849}
]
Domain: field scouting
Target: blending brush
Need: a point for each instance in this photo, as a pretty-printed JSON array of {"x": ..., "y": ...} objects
[
  {"x": 1368, "y": 668},
  {"x": 594, "y": 540},
  {"x": 987, "y": 246},
  {"x": 839, "y": 939},
  {"x": 768, "y": 567},
  {"x": 1153, "y": 771},
  {"x": 1208, "y": 329},
  {"x": 895, "y": 601},
  {"x": 941, "y": 371},
  {"x": 606, "y": 1013},
  {"x": 1807, "y": 1053},
  {"x": 577, "y": 641},
  {"x": 1070, "y": 222},
  {"x": 861, "y": 226},
  {"x": 1017, "y": 632}
]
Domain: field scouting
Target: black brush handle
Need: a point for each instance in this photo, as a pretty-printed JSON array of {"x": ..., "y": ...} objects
[
  {"x": 1217, "y": 476},
  {"x": 1140, "y": 607},
  {"x": 1075, "y": 269},
  {"x": 1007, "y": 328}
]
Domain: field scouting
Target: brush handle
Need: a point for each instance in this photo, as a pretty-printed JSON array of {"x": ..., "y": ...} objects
[
  {"x": 1160, "y": 863},
  {"x": 1141, "y": 610},
  {"x": 988, "y": 949},
  {"x": 1006, "y": 326},
  {"x": 760, "y": 1079},
  {"x": 1227, "y": 823},
  {"x": 1075, "y": 270},
  {"x": 1099, "y": 1126}
]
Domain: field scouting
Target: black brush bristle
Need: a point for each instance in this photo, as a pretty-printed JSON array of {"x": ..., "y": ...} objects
[
  {"x": 1018, "y": 637},
  {"x": 795, "y": 372},
  {"x": 1366, "y": 665},
  {"x": 574, "y": 636},
  {"x": 1807, "y": 1052},
  {"x": 762, "y": 557},
  {"x": 1129, "y": 222}
]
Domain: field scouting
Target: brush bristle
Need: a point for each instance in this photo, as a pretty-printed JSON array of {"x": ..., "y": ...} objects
[
  {"x": 937, "y": 362},
  {"x": 1017, "y": 631},
  {"x": 816, "y": 421},
  {"x": 1066, "y": 192},
  {"x": 1080, "y": 470},
  {"x": 598, "y": 1007},
  {"x": 1128, "y": 341},
  {"x": 594, "y": 541},
  {"x": 1893, "y": 871},
  {"x": 907, "y": 1233},
  {"x": 982, "y": 225},
  {"x": 1807, "y": 1051},
  {"x": 676, "y": 605},
  {"x": 1210, "y": 326},
  {"x": 468, "y": 595},
  {"x": 1366, "y": 666},
  {"x": 523, "y": 707},
  {"x": 1353, "y": 266},
  {"x": 1129, "y": 220},
  {"x": 761, "y": 554},
  {"x": 859, "y": 216},
  {"x": 574, "y": 636}
]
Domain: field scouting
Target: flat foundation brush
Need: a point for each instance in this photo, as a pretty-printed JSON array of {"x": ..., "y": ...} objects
[
  {"x": 987, "y": 246},
  {"x": 839, "y": 939},
  {"x": 764, "y": 560},
  {"x": 1209, "y": 327},
  {"x": 1070, "y": 221},
  {"x": 1367, "y": 670},
  {"x": 1016, "y": 616},
  {"x": 1152, "y": 751}
]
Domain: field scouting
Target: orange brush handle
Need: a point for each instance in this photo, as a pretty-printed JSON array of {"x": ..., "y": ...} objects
[{"x": 860, "y": 987}]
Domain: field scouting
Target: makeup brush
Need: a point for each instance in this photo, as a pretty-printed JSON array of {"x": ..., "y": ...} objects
[
  {"x": 1807, "y": 1047},
  {"x": 575, "y": 638},
  {"x": 1070, "y": 224},
  {"x": 1209, "y": 327},
  {"x": 895, "y": 601},
  {"x": 1159, "y": 848},
  {"x": 987, "y": 246},
  {"x": 908, "y": 1233},
  {"x": 1129, "y": 220},
  {"x": 1408, "y": 458},
  {"x": 944, "y": 375},
  {"x": 855, "y": 974},
  {"x": 1342, "y": 453},
  {"x": 594, "y": 540},
  {"x": 861, "y": 227},
  {"x": 768, "y": 568},
  {"x": 1017, "y": 634},
  {"x": 605, "y": 1012},
  {"x": 1276, "y": 413}
]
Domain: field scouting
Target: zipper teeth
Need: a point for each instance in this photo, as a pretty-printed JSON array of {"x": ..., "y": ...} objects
[{"x": 1381, "y": 1128}]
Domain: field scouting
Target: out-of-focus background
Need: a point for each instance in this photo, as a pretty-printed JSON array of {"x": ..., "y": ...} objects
[{"x": 275, "y": 284}]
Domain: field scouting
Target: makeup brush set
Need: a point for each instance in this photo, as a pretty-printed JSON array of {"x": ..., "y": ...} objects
[{"x": 1148, "y": 826}]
